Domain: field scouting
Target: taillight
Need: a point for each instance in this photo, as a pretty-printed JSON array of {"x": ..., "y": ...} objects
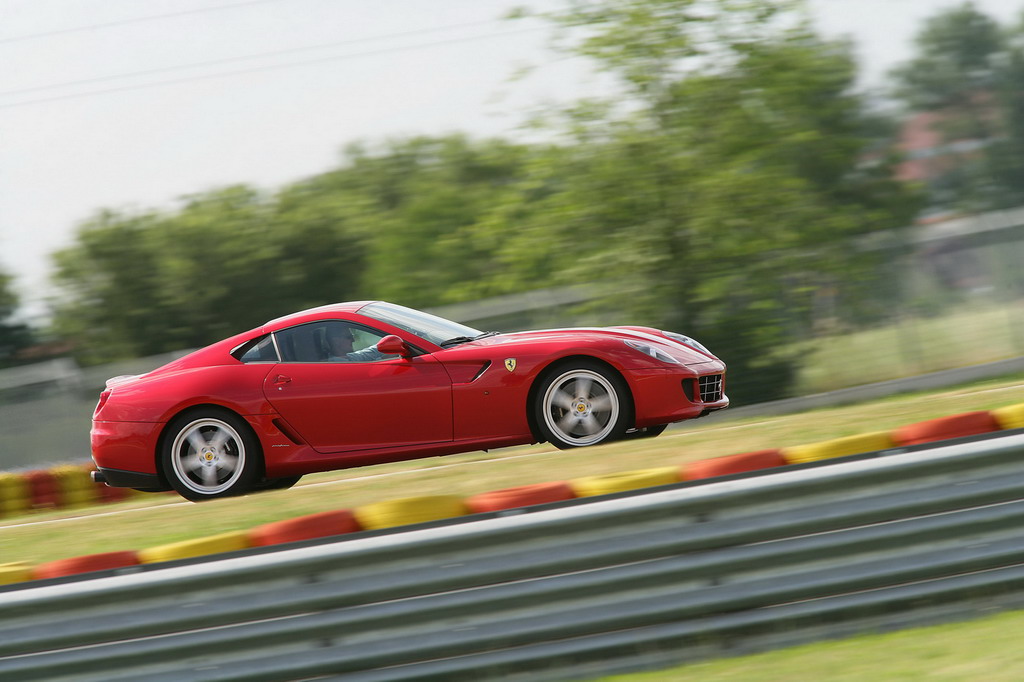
[{"x": 103, "y": 401}]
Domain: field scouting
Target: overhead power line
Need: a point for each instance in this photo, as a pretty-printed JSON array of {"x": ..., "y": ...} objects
[
  {"x": 271, "y": 67},
  {"x": 241, "y": 58},
  {"x": 134, "y": 20}
]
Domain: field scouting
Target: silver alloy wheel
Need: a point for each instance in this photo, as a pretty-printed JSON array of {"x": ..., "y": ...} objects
[
  {"x": 208, "y": 456},
  {"x": 580, "y": 407}
]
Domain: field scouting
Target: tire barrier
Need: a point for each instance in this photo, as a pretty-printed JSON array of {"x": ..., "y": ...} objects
[
  {"x": 186, "y": 549},
  {"x": 944, "y": 428},
  {"x": 14, "y": 495},
  {"x": 521, "y": 496},
  {"x": 44, "y": 490},
  {"x": 838, "y": 447},
  {"x": 75, "y": 486},
  {"x": 85, "y": 564},
  {"x": 733, "y": 464},
  {"x": 408, "y": 510},
  {"x": 306, "y": 527},
  {"x": 606, "y": 484}
]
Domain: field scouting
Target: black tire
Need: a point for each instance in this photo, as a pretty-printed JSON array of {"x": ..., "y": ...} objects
[
  {"x": 210, "y": 453},
  {"x": 581, "y": 403},
  {"x": 646, "y": 432},
  {"x": 277, "y": 483}
]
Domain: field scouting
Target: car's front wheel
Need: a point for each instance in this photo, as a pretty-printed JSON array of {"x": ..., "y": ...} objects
[
  {"x": 582, "y": 403},
  {"x": 209, "y": 454}
]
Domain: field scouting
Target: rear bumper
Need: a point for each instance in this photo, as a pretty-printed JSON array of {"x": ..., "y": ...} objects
[
  {"x": 125, "y": 446},
  {"x": 117, "y": 478}
]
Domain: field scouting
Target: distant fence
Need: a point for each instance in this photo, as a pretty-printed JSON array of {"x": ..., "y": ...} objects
[
  {"x": 573, "y": 591},
  {"x": 45, "y": 409}
]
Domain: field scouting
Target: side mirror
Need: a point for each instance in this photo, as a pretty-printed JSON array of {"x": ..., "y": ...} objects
[{"x": 393, "y": 345}]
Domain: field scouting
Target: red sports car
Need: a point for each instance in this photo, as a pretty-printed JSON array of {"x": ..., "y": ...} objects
[{"x": 363, "y": 383}]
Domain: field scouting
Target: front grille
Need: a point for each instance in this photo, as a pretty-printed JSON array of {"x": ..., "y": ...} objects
[{"x": 710, "y": 388}]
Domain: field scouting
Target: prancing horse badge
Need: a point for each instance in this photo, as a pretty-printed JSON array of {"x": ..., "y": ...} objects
[{"x": 510, "y": 364}]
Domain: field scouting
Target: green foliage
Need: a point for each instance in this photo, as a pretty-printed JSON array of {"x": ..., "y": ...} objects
[
  {"x": 968, "y": 69},
  {"x": 13, "y": 335},
  {"x": 227, "y": 261},
  {"x": 715, "y": 197},
  {"x": 956, "y": 56}
]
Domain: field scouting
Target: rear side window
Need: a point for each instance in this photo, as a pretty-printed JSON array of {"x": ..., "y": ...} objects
[{"x": 261, "y": 349}]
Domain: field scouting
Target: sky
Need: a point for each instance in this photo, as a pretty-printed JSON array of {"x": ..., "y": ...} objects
[{"x": 129, "y": 105}]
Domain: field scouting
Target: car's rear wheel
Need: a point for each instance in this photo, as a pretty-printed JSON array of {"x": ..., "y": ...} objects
[
  {"x": 210, "y": 453},
  {"x": 582, "y": 403}
]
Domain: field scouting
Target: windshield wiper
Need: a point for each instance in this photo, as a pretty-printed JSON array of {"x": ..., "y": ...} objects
[{"x": 456, "y": 340}]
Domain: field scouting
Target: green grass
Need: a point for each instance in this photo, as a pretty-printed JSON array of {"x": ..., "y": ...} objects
[
  {"x": 155, "y": 519},
  {"x": 986, "y": 649},
  {"x": 915, "y": 345}
]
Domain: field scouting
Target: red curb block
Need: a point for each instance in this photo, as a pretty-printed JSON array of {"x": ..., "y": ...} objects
[
  {"x": 943, "y": 428},
  {"x": 306, "y": 527},
  {"x": 520, "y": 496},
  {"x": 733, "y": 464},
  {"x": 85, "y": 564}
]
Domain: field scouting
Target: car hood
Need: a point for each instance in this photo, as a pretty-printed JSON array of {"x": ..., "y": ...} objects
[{"x": 686, "y": 354}]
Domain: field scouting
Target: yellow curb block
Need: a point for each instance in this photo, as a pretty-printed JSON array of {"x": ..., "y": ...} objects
[
  {"x": 1010, "y": 417},
  {"x": 839, "y": 447},
  {"x": 408, "y": 510},
  {"x": 15, "y": 573},
  {"x": 213, "y": 544},
  {"x": 589, "y": 486}
]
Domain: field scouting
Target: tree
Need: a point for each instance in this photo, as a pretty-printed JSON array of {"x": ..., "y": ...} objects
[
  {"x": 968, "y": 71},
  {"x": 727, "y": 189},
  {"x": 14, "y": 336},
  {"x": 715, "y": 195},
  {"x": 957, "y": 56},
  {"x": 228, "y": 260}
]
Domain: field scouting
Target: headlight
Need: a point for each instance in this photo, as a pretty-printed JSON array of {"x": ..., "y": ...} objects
[
  {"x": 687, "y": 341},
  {"x": 653, "y": 351}
]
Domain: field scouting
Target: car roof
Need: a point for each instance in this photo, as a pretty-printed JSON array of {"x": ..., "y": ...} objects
[{"x": 318, "y": 312}]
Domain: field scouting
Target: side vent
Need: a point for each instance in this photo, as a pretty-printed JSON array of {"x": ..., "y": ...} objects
[{"x": 287, "y": 431}]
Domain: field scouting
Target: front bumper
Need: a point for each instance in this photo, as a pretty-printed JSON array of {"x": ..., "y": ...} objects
[{"x": 663, "y": 396}]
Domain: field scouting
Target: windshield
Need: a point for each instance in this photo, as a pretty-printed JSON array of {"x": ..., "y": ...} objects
[{"x": 435, "y": 329}]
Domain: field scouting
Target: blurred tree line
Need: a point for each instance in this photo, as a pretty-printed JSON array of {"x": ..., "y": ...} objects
[
  {"x": 14, "y": 336},
  {"x": 717, "y": 195},
  {"x": 969, "y": 71}
]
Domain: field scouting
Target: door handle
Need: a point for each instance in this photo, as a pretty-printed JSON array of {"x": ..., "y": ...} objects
[{"x": 281, "y": 379}]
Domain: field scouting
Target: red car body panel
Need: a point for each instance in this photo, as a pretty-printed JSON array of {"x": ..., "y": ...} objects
[
  {"x": 395, "y": 403},
  {"x": 319, "y": 416}
]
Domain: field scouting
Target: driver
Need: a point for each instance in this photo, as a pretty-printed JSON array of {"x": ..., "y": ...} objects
[{"x": 340, "y": 346}]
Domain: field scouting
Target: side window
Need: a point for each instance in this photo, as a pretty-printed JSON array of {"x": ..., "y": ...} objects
[
  {"x": 330, "y": 341},
  {"x": 258, "y": 350}
]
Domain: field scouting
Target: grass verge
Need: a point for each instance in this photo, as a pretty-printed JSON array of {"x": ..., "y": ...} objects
[
  {"x": 158, "y": 519},
  {"x": 984, "y": 649}
]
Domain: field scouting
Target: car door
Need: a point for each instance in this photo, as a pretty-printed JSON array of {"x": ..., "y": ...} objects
[{"x": 362, "y": 402}]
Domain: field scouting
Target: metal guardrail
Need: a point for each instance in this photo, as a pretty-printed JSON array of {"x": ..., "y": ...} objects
[{"x": 570, "y": 591}]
